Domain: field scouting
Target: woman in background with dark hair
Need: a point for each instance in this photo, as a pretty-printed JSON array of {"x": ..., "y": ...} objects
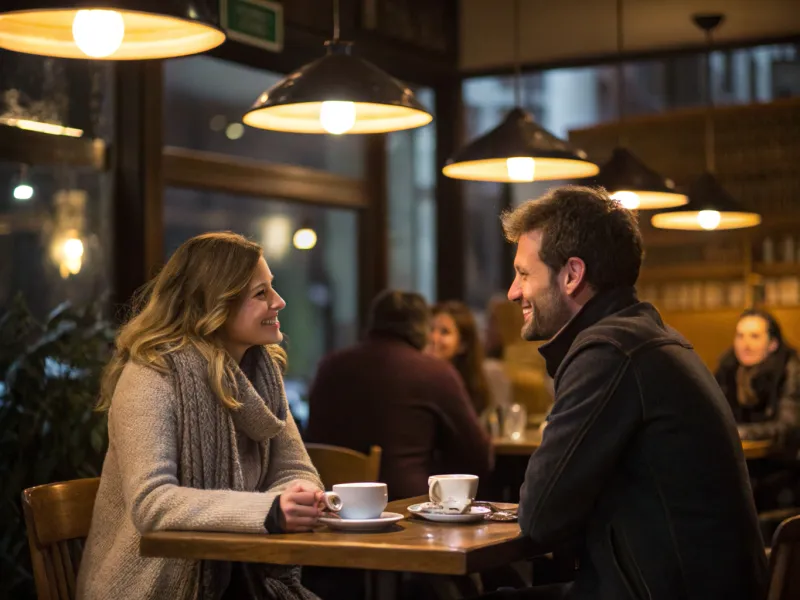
[
  {"x": 454, "y": 338},
  {"x": 760, "y": 376}
]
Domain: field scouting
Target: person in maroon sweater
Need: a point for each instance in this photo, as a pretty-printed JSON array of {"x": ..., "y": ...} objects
[{"x": 384, "y": 391}]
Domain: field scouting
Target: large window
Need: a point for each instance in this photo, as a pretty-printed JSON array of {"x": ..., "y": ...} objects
[
  {"x": 205, "y": 99},
  {"x": 411, "y": 158},
  {"x": 55, "y": 226},
  {"x": 319, "y": 285},
  {"x": 572, "y": 98}
]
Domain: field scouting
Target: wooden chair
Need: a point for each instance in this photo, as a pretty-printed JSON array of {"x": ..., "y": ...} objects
[
  {"x": 57, "y": 517},
  {"x": 784, "y": 561},
  {"x": 342, "y": 465}
]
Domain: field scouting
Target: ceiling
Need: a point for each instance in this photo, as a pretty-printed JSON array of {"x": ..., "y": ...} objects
[{"x": 562, "y": 31}]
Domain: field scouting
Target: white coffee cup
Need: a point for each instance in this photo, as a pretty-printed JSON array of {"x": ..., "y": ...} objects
[
  {"x": 357, "y": 500},
  {"x": 453, "y": 492}
]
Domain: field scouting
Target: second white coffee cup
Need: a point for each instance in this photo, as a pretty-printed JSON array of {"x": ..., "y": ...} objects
[
  {"x": 453, "y": 491},
  {"x": 357, "y": 500}
]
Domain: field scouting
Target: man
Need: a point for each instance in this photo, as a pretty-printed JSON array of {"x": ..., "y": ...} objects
[
  {"x": 385, "y": 391},
  {"x": 640, "y": 463}
]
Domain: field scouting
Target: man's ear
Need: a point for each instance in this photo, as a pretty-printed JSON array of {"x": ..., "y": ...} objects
[{"x": 574, "y": 275}]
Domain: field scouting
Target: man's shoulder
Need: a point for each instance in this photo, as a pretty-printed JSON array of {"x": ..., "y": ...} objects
[{"x": 630, "y": 331}]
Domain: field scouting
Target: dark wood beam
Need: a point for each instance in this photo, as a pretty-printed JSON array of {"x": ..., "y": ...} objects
[
  {"x": 138, "y": 194},
  {"x": 373, "y": 229},
  {"x": 235, "y": 175}
]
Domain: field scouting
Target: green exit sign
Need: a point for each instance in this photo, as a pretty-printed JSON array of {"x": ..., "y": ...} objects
[{"x": 255, "y": 22}]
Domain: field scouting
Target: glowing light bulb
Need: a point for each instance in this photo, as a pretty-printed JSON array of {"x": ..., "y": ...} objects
[
  {"x": 305, "y": 239},
  {"x": 709, "y": 219},
  {"x": 629, "y": 200},
  {"x": 521, "y": 168},
  {"x": 98, "y": 33},
  {"x": 23, "y": 192},
  {"x": 71, "y": 257},
  {"x": 337, "y": 117}
]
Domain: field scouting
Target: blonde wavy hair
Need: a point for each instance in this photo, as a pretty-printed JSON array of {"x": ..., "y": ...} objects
[{"x": 186, "y": 305}]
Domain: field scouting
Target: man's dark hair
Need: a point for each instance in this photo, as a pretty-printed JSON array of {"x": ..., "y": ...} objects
[
  {"x": 403, "y": 315},
  {"x": 584, "y": 223}
]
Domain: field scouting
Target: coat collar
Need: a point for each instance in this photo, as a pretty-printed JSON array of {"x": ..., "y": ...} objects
[{"x": 598, "y": 307}]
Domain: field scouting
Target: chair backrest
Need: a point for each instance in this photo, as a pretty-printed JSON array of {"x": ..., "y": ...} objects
[
  {"x": 784, "y": 561},
  {"x": 342, "y": 465},
  {"x": 57, "y": 517}
]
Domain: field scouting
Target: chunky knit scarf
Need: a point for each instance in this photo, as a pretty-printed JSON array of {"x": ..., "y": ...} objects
[{"x": 209, "y": 459}]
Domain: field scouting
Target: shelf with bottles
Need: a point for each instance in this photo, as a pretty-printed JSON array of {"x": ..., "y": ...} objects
[
  {"x": 690, "y": 295},
  {"x": 692, "y": 272},
  {"x": 694, "y": 295}
]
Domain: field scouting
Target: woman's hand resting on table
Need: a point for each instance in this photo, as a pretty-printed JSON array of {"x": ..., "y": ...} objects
[{"x": 301, "y": 507}]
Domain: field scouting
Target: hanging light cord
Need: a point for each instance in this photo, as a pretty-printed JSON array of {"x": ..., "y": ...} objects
[
  {"x": 620, "y": 75},
  {"x": 335, "y": 20},
  {"x": 517, "y": 60},
  {"x": 710, "y": 162}
]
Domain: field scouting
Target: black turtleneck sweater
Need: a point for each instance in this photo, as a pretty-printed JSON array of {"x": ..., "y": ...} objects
[{"x": 641, "y": 464}]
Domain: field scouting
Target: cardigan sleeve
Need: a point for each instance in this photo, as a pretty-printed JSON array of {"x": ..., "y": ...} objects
[{"x": 143, "y": 431}]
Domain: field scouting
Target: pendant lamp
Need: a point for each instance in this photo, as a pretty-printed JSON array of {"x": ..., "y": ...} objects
[
  {"x": 626, "y": 178},
  {"x": 338, "y": 93},
  {"x": 110, "y": 29},
  {"x": 518, "y": 149},
  {"x": 710, "y": 206}
]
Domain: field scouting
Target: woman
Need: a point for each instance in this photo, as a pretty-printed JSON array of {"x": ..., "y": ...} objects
[
  {"x": 200, "y": 435},
  {"x": 454, "y": 338},
  {"x": 760, "y": 376}
]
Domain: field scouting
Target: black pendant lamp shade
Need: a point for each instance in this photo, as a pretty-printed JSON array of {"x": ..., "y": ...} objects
[
  {"x": 636, "y": 186},
  {"x": 544, "y": 156},
  {"x": 710, "y": 207},
  {"x": 338, "y": 93},
  {"x": 110, "y": 29}
]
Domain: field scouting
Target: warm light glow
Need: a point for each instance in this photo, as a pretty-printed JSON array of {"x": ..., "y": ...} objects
[
  {"x": 48, "y": 128},
  {"x": 337, "y": 117},
  {"x": 496, "y": 169},
  {"x": 705, "y": 220},
  {"x": 98, "y": 33},
  {"x": 23, "y": 192},
  {"x": 130, "y": 35},
  {"x": 276, "y": 236},
  {"x": 521, "y": 168},
  {"x": 305, "y": 239},
  {"x": 73, "y": 249},
  {"x": 234, "y": 131},
  {"x": 643, "y": 200},
  {"x": 708, "y": 219},
  {"x": 629, "y": 200},
  {"x": 68, "y": 252},
  {"x": 307, "y": 118}
]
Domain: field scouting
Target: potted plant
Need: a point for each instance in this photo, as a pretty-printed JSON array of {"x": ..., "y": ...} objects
[{"x": 49, "y": 431}]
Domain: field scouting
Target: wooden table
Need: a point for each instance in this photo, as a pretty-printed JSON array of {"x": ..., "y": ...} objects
[
  {"x": 412, "y": 545},
  {"x": 522, "y": 447},
  {"x": 753, "y": 449}
]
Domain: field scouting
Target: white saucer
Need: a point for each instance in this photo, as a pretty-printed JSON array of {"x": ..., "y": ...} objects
[
  {"x": 382, "y": 522},
  {"x": 475, "y": 513}
]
